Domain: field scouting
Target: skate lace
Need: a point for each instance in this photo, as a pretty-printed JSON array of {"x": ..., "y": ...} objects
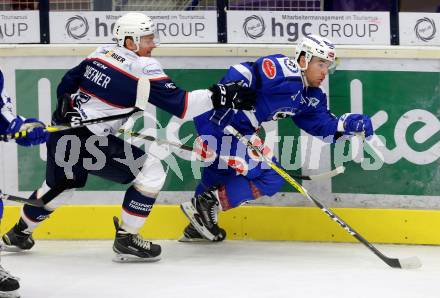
[
  {"x": 214, "y": 213},
  {"x": 140, "y": 242},
  {"x": 6, "y": 275}
]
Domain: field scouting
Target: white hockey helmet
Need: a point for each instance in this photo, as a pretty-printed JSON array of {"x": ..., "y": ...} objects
[
  {"x": 135, "y": 25},
  {"x": 315, "y": 45}
]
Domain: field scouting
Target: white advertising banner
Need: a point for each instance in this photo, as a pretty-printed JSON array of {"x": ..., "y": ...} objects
[
  {"x": 19, "y": 27},
  {"x": 97, "y": 26},
  {"x": 418, "y": 28},
  {"x": 291, "y": 26}
]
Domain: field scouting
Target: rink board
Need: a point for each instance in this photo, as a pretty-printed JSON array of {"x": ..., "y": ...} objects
[
  {"x": 397, "y": 86},
  {"x": 248, "y": 223}
]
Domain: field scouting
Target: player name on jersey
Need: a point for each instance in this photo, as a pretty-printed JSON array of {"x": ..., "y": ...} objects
[{"x": 96, "y": 76}]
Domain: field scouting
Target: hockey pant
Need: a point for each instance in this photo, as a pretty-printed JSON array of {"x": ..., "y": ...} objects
[{"x": 239, "y": 174}]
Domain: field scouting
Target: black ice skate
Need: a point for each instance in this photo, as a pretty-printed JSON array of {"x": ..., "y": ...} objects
[
  {"x": 132, "y": 247},
  {"x": 8, "y": 284},
  {"x": 18, "y": 238},
  {"x": 202, "y": 213},
  {"x": 190, "y": 234}
]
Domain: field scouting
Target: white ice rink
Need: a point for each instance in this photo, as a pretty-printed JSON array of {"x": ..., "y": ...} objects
[{"x": 67, "y": 269}]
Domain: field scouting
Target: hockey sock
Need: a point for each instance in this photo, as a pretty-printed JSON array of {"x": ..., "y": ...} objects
[
  {"x": 32, "y": 215},
  {"x": 135, "y": 209},
  {"x": 236, "y": 192}
]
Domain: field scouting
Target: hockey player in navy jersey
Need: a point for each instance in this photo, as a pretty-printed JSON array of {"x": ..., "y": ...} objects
[
  {"x": 9, "y": 124},
  {"x": 107, "y": 83},
  {"x": 285, "y": 89}
]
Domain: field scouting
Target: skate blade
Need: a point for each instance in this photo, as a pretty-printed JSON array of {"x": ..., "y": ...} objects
[
  {"x": 10, "y": 294},
  {"x": 184, "y": 239},
  {"x": 194, "y": 217},
  {"x": 125, "y": 258},
  {"x": 11, "y": 248}
]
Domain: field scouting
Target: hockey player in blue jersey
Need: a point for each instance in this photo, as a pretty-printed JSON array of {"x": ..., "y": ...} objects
[
  {"x": 106, "y": 83},
  {"x": 285, "y": 89},
  {"x": 9, "y": 124}
]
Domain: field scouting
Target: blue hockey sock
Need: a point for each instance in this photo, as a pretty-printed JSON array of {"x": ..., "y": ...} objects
[{"x": 236, "y": 192}]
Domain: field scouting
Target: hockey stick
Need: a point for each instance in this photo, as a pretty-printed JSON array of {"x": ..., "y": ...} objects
[
  {"x": 66, "y": 126},
  {"x": 406, "y": 263},
  {"x": 325, "y": 175},
  {"x": 154, "y": 139},
  {"x": 46, "y": 198},
  {"x": 33, "y": 202}
]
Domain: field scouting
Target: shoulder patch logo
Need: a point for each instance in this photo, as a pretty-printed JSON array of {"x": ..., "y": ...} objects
[
  {"x": 269, "y": 68},
  {"x": 290, "y": 65}
]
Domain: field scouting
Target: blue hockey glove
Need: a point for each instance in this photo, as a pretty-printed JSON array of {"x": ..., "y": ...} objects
[
  {"x": 351, "y": 124},
  {"x": 35, "y": 131}
]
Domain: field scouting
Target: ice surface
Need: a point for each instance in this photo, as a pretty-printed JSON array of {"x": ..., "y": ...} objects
[{"x": 70, "y": 269}]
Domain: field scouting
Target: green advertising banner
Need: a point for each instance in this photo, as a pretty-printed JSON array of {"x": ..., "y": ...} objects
[
  {"x": 409, "y": 105},
  {"x": 404, "y": 106}
]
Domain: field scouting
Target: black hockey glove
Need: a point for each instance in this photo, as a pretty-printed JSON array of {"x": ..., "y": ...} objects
[
  {"x": 233, "y": 95},
  {"x": 64, "y": 112}
]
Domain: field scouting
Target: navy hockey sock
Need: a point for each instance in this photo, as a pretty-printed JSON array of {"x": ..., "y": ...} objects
[{"x": 135, "y": 203}]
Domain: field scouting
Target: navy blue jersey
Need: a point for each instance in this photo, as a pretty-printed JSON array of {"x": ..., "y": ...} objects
[{"x": 106, "y": 82}]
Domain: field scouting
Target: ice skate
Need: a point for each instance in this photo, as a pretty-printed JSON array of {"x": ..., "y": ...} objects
[
  {"x": 190, "y": 234},
  {"x": 202, "y": 213},
  {"x": 8, "y": 285},
  {"x": 132, "y": 247},
  {"x": 18, "y": 238}
]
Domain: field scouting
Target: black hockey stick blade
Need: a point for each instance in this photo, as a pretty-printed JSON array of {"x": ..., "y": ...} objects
[{"x": 33, "y": 202}]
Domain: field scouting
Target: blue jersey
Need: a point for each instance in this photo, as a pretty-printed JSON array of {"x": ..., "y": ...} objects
[
  {"x": 6, "y": 106},
  {"x": 281, "y": 93}
]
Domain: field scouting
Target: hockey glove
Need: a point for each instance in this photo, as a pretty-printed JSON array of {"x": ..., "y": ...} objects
[
  {"x": 35, "y": 131},
  {"x": 233, "y": 95},
  {"x": 351, "y": 124},
  {"x": 65, "y": 111}
]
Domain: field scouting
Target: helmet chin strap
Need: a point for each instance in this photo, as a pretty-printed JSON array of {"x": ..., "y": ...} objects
[
  {"x": 138, "y": 39},
  {"x": 137, "y": 48},
  {"x": 303, "y": 75},
  {"x": 304, "y": 79}
]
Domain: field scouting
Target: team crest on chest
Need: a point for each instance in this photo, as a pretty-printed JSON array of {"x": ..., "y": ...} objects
[
  {"x": 313, "y": 101},
  {"x": 269, "y": 68}
]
